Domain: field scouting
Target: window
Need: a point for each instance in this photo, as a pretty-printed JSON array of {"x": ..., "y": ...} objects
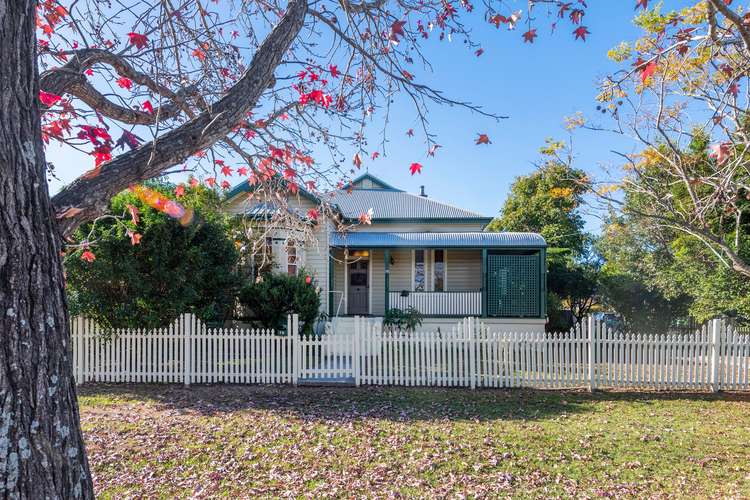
[
  {"x": 419, "y": 275},
  {"x": 438, "y": 271},
  {"x": 291, "y": 258},
  {"x": 262, "y": 260}
]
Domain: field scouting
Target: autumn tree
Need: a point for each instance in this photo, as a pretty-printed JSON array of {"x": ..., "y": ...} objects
[
  {"x": 283, "y": 94},
  {"x": 682, "y": 96}
]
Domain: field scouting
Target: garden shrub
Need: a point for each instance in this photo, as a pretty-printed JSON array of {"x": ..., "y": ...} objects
[{"x": 273, "y": 296}]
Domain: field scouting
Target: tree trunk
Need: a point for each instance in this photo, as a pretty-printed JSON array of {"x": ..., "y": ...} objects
[{"x": 41, "y": 447}]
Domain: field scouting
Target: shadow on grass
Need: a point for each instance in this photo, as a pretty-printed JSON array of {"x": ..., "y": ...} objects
[{"x": 389, "y": 403}]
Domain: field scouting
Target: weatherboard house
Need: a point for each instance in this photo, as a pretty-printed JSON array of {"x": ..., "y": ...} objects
[{"x": 417, "y": 252}]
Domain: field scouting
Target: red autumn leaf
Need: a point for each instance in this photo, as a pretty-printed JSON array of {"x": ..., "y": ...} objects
[
  {"x": 581, "y": 32},
  {"x": 734, "y": 89},
  {"x": 211, "y": 181},
  {"x": 648, "y": 71},
  {"x": 226, "y": 171},
  {"x": 129, "y": 139},
  {"x": 643, "y": 4},
  {"x": 720, "y": 152},
  {"x": 135, "y": 238},
  {"x": 48, "y": 99},
  {"x": 563, "y": 8},
  {"x": 357, "y": 160},
  {"x": 415, "y": 168},
  {"x": 225, "y": 185},
  {"x": 433, "y": 149},
  {"x": 179, "y": 191},
  {"x": 334, "y": 71},
  {"x": 410, "y": 132},
  {"x": 375, "y": 155},
  {"x": 138, "y": 40},
  {"x": 242, "y": 171},
  {"x": 479, "y": 52},
  {"x": 133, "y": 213},
  {"x": 124, "y": 83},
  {"x": 483, "y": 139},
  {"x": 148, "y": 107},
  {"x": 576, "y": 15},
  {"x": 308, "y": 279},
  {"x": 88, "y": 256},
  {"x": 313, "y": 214},
  {"x": 366, "y": 217},
  {"x": 497, "y": 20},
  {"x": 407, "y": 75},
  {"x": 529, "y": 36},
  {"x": 89, "y": 72},
  {"x": 199, "y": 54},
  {"x": 193, "y": 182},
  {"x": 397, "y": 29}
]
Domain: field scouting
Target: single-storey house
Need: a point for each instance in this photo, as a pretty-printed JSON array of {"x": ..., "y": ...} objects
[{"x": 416, "y": 252}]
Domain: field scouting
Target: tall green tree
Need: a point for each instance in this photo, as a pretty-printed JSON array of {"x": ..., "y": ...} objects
[
  {"x": 547, "y": 201},
  {"x": 147, "y": 274}
]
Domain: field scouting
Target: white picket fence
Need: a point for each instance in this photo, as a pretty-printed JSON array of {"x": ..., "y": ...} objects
[{"x": 470, "y": 354}]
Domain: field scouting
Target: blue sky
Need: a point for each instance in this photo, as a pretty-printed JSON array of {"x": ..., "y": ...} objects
[{"x": 536, "y": 85}]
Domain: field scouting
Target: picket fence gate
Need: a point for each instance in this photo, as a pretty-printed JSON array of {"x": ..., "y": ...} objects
[{"x": 470, "y": 354}]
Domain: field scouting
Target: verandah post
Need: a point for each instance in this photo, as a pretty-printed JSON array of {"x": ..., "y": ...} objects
[
  {"x": 715, "y": 355},
  {"x": 591, "y": 336}
]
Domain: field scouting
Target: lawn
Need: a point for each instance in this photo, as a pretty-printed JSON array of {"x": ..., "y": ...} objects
[{"x": 247, "y": 441}]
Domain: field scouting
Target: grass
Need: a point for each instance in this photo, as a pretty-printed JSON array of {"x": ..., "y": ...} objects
[{"x": 244, "y": 441}]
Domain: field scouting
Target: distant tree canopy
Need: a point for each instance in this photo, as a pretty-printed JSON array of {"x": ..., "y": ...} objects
[
  {"x": 547, "y": 201},
  {"x": 148, "y": 278}
]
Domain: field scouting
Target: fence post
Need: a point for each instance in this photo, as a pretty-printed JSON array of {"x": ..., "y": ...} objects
[
  {"x": 715, "y": 355},
  {"x": 358, "y": 323},
  {"x": 188, "y": 324},
  {"x": 78, "y": 344},
  {"x": 591, "y": 335},
  {"x": 472, "y": 352},
  {"x": 297, "y": 357}
]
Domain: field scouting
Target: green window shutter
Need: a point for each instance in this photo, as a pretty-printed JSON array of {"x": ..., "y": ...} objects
[{"x": 513, "y": 289}]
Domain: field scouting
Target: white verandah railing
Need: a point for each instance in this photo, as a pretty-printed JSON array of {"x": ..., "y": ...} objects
[
  {"x": 452, "y": 303},
  {"x": 470, "y": 354}
]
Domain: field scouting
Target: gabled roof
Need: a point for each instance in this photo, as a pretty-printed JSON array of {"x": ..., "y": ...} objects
[
  {"x": 369, "y": 181},
  {"x": 377, "y": 239}
]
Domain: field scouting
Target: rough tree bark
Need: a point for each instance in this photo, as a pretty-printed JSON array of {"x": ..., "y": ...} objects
[{"x": 41, "y": 447}]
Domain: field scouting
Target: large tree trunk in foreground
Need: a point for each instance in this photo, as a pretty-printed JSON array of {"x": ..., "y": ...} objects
[{"x": 41, "y": 447}]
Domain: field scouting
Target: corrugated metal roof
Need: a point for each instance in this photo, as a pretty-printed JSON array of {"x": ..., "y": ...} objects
[
  {"x": 394, "y": 205},
  {"x": 374, "y": 239}
]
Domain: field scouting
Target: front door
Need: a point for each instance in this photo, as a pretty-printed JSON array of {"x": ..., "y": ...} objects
[{"x": 359, "y": 289}]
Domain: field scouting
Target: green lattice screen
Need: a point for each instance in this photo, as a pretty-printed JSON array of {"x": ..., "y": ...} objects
[{"x": 513, "y": 285}]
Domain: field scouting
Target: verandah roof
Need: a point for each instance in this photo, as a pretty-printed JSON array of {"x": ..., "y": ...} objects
[{"x": 372, "y": 239}]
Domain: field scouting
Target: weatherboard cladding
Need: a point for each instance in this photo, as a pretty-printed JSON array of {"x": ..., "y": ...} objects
[{"x": 365, "y": 239}]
